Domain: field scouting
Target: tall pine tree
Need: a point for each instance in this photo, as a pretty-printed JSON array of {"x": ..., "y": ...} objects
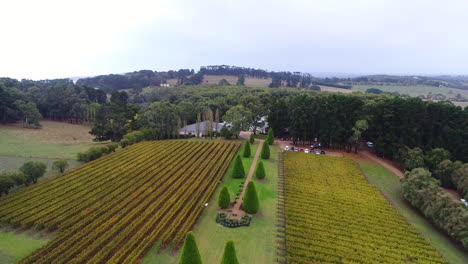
[
  {"x": 251, "y": 203},
  {"x": 247, "y": 149},
  {"x": 265, "y": 151},
  {"x": 270, "y": 139},
  {"x": 260, "y": 172},
  {"x": 252, "y": 138},
  {"x": 238, "y": 170},
  {"x": 190, "y": 253},
  {"x": 224, "y": 198},
  {"x": 230, "y": 256}
]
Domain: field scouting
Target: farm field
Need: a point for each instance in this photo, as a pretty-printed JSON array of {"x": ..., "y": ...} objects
[
  {"x": 112, "y": 210},
  {"x": 53, "y": 140},
  {"x": 390, "y": 186},
  {"x": 249, "y": 81},
  {"x": 412, "y": 90},
  {"x": 334, "y": 216},
  {"x": 250, "y": 246}
]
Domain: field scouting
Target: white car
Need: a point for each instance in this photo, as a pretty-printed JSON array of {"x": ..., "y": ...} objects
[
  {"x": 317, "y": 152},
  {"x": 464, "y": 202},
  {"x": 306, "y": 150},
  {"x": 286, "y": 148}
]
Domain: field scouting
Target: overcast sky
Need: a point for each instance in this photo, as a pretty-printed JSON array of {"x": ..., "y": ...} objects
[{"x": 51, "y": 39}]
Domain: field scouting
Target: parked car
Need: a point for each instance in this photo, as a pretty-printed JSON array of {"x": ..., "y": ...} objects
[
  {"x": 370, "y": 144},
  {"x": 322, "y": 152},
  {"x": 306, "y": 151},
  {"x": 317, "y": 152},
  {"x": 296, "y": 149},
  {"x": 286, "y": 148},
  {"x": 301, "y": 150},
  {"x": 464, "y": 202}
]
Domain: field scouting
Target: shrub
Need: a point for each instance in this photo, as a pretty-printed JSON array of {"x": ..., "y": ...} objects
[
  {"x": 229, "y": 256},
  {"x": 33, "y": 170},
  {"x": 6, "y": 183},
  {"x": 112, "y": 147},
  {"x": 93, "y": 153},
  {"x": 247, "y": 149},
  {"x": 252, "y": 138},
  {"x": 260, "y": 172},
  {"x": 60, "y": 165},
  {"x": 132, "y": 138},
  {"x": 190, "y": 253},
  {"x": 224, "y": 198},
  {"x": 270, "y": 139},
  {"x": 238, "y": 171},
  {"x": 460, "y": 180},
  {"x": 265, "y": 151},
  {"x": 251, "y": 203}
]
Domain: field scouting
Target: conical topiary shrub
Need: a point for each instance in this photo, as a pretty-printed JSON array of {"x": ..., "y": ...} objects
[
  {"x": 238, "y": 171},
  {"x": 252, "y": 138},
  {"x": 247, "y": 149},
  {"x": 190, "y": 253},
  {"x": 230, "y": 256},
  {"x": 224, "y": 198},
  {"x": 270, "y": 139},
  {"x": 251, "y": 203},
  {"x": 265, "y": 151},
  {"x": 260, "y": 172}
]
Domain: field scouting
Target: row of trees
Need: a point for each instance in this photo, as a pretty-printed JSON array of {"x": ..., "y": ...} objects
[
  {"x": 424, "y": 193},
  {"x": 28, "y": 173},
  {"x": 191, "y": 254},
  {"x": 392, "y": 122}
]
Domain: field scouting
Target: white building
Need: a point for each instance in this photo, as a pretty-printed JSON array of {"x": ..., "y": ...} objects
[{"x": 192, "y": 129}]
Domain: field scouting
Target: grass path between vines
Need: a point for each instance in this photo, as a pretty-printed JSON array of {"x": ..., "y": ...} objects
[
  {"x": 390, "y": 186},
  {"x": 254, "y": 244}
]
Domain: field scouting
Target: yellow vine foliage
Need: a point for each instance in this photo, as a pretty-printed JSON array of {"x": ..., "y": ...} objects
[{"x": 334, "y": 216}]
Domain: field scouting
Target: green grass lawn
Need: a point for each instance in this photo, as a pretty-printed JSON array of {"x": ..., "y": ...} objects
[
  {"x": 389, "y": 185},
  {"x": 14, "y": 247},
  {"x": 254, "y": 244}
]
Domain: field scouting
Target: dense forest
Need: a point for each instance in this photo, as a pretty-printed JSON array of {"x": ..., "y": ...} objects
[{"x": 59, "y": 99}]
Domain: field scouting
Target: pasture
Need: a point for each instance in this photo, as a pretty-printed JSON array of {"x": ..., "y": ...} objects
[
  {"x": 413, "y": 90},
  {"x": 53, "y": 140},
  {"x": 334, "y": 216},
  {"x": 116, "y": 208},
  {"x": 254, "y": 244}
]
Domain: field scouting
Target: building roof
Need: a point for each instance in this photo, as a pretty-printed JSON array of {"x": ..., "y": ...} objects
[{"x": 192, "y": 129}]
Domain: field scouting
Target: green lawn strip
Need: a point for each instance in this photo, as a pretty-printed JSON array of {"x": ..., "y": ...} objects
[
  {"x": 14, "y": 247},
  {"x": 389, "y": 185},
  {"x": 254, "y": 244}
]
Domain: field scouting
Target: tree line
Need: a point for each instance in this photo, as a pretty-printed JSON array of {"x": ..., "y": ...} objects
[{"x": 61, "y": 100}]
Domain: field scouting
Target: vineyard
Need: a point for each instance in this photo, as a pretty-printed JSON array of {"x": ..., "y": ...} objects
[
  {"x": 114, "y": 209},
  {"x": 334, "y": 216}
]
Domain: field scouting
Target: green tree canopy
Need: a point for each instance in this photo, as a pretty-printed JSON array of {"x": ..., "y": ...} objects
[
  {"x": 251, "y": 203},
  {"x": 265, "y": 151},
  {"x": 252, "y": 138},
  {"x": 190, "y": 253},
  {"x": 224, "y": 198},
  {"x": 230, "y": 256},
  {"x": 238, "y": 117},
  {"x": 33, "y": 170},
  {"x": 238, "y": 170},
  {"x": 6, "y": 183},
  {"x": 60, "y": 165},
  {"x": 434, "y": 157},
  {"x": 247, "y": 149},
  {"x": 411, "y": 158},
  {"x": 260, "y": 172}
]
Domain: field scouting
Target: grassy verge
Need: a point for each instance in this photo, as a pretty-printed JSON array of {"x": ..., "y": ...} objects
[
  {"x": 389, "y": 185},
  {"x": 14, "y": 247},
  {"x": 254, "y": 244}
]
